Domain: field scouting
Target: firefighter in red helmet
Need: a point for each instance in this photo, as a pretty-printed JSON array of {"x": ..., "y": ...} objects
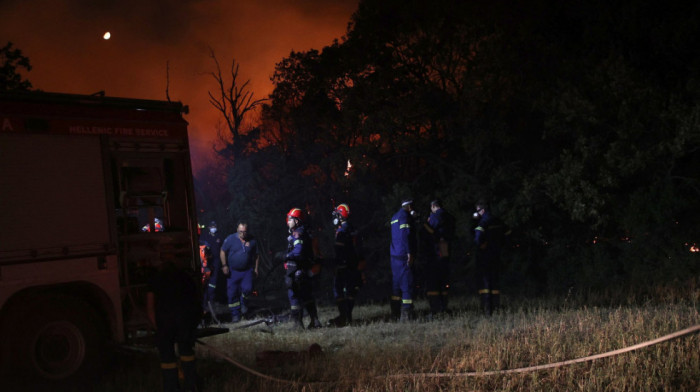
[
  {"x": 298, "y": 263},
  {"x": 347, "y": 278}
]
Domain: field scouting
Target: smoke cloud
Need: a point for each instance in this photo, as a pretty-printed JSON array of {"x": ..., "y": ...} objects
[{"x": 151, "y": 39}]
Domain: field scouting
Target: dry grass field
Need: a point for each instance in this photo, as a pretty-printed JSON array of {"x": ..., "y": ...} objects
[{"x": 450, "y": 354}]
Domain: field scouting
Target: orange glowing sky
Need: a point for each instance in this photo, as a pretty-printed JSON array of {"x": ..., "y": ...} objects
[{"x": 64, "y": 42}]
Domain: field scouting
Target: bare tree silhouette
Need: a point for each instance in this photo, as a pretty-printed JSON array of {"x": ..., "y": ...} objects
[{"x": 234, "y": 101}]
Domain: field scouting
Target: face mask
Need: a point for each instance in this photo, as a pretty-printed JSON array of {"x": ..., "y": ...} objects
[
  {"x": 336, "y": 218},
  {"x": 212, "y": 230}
]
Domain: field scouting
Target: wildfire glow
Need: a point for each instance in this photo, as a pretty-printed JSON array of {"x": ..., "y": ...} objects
[
  {"x": 694, "y": 248},
  {"x": 348, "y": 168}
]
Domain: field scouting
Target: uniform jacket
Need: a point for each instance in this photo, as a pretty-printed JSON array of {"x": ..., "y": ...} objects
[
  {"x": 438, "y": 222},
  {"x": 214, "y": 241},
  {"x": 240, "y": 256},
  {"x": 299, "y": 247},
  {"x": 345, "y": 254},
  {"x": 403, "y": 235},
  {"x": 489, "y": 234}
]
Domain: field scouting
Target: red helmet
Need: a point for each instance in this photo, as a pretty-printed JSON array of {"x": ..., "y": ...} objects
[
  {"x": 343, "y": 210},
  {"x": 295, "y": 213}
]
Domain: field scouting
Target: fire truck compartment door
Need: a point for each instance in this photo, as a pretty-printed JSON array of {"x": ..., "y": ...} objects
[{"x": 53, "y": 200}]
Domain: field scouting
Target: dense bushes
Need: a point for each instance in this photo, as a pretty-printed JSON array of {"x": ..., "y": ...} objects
[{"x": 579, "y": 122}]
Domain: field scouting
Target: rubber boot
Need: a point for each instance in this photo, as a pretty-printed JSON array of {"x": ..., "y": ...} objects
[
  {"x": 443, "y": 302},
  {"x": 170, "y": 380},
  {"x": 486, "y": 306},
  {"x": 495, "y": 300},
  {"x": 297, "y": 317},
  {"x": 235, "y": 318},
  {"x": 190, "y": 373},
  {"x": 350, "y": 304},
  {"x": 395, "y": 309},
  {"x": 435, "y": 305},
  {"x": 244, "y": 306},
  {"x": 405, "y": 315},
  {"x": 341, "y": 320},
  {"x": 313, "y": 314}
]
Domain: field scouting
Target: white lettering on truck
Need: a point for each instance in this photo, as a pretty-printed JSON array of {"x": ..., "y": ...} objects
[{"x": 118, "y": 131}]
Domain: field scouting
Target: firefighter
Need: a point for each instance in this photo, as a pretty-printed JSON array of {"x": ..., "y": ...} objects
[
  {"x": 205, "y": 261},
  {"x": 488, "y": 239},
  {"x": 214, "y": 240},
  {"x": 403, "y": 252},
  {"x": 347, "y": 277},
  {"x": 439, "y": 227},
  {"x": 239, "y": 256},
  {"x": 298, "y": 264},
  {"x": 174, "y": 310},
  {"x": 158, "y": 224}
]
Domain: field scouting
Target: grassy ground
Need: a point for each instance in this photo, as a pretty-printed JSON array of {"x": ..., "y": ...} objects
[{"x": 378, "y": 355}]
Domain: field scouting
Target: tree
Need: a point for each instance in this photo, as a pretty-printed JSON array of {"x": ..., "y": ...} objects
[
  {"x": 568, "y": 118},
  {"x": 234, "y": 101},
  {"x": 10, "y": 61}
]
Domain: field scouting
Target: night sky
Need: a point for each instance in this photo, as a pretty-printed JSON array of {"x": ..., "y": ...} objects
[{"x": 64, "y": 41}]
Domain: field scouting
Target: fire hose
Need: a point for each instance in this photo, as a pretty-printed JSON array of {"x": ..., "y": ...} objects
[
  {"x": 589, "y": 358},
  {"x": 665, "y": 338}
]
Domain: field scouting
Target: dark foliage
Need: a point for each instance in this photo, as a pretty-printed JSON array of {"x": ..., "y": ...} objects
[
  {"x": 11, "y": 60},
  {"x": 579, "y": 121}
]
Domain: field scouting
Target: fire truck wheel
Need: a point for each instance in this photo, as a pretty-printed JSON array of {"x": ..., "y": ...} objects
[{"x": 57, "y": 340}]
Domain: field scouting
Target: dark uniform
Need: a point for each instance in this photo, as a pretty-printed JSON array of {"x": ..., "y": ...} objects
[
  {"x": 240, "y": 258},
  {"x": 175, "y": 302},
  {"x": 488, "y": 238},
  {"x": 347, "y": 278},
  {"x": 403, "y": 243},
  {"x": 205, "y": 260},
  {"x": 438, "y": 266},
  {"x": 298, "y": 263},
  {"x": 214, "y": 241}
]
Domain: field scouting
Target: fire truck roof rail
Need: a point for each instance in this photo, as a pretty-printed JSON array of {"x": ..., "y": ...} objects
[{"x": 97, "y": 99}]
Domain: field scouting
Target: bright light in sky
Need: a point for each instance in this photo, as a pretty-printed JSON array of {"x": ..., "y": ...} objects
[{"x": 107, "y": 35}]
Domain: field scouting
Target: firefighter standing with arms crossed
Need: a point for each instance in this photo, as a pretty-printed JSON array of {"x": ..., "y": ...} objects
[
  {"x": 347, "y": 278},
  {"x": 403, "y": 252},
  {"x": 298, "y": 263}
]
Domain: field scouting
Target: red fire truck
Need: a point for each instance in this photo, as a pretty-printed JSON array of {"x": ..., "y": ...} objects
[{"x": 95, "y": 193}]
